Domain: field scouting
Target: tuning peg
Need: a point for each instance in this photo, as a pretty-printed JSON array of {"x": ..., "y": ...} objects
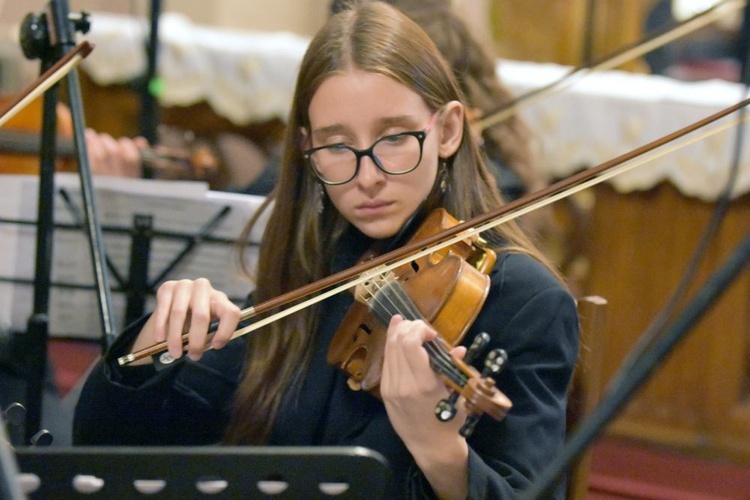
[
  {"x": 445, "y": 410},
  {"x": 42, "y": 438},
  {"x": 494, "y": 362},
  {"x": 468, "y": 428},
  {"x": 476, "y": 347},
  {"x": 14, "y": 414}
]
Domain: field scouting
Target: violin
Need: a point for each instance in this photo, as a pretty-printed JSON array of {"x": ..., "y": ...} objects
[
  {"x": 20, "y": 144},
  {"x": 446, "y": 289}
]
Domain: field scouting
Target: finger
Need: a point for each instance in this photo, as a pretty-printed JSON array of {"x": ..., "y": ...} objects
[
  {"x": 109, "y": 154},
  {"x": 415, "y": 333},
  {"x": 459, "y": 352},
  {"x": 396, "y": 319},
  {"x": 200, "y": 317},
  {"x": 160, "y": 315},
  {"x": 405, "y": 357},
  {"x": 178, "y": 316},
  {"x": 140, "y": 142},
  {"x": 130, "y": 157},
  {"x": 228, "y": 314},
  {"x": 94, "y": 149},
  {"x": 390, "y": 353}
]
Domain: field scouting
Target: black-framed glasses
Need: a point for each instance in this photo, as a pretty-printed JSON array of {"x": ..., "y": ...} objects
[{"x": 395, "y": 154}]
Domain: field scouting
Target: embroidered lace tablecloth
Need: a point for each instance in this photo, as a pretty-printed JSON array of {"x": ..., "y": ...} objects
[{"x": 250, "y": 76}]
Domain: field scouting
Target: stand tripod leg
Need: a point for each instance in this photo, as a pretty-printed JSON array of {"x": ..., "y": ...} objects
[
  {"x": 47, "y": 37},
  {"x": 140, "y": 252},
  {"x": 37, "y": 332}
]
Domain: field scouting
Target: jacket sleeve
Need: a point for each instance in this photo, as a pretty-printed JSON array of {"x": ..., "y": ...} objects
[
  {"x": 185, "y": 404},
  {"x": 535, "y": 321}
]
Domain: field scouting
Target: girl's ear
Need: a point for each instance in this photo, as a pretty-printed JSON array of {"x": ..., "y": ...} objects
[{"x": 451, "y": 129}]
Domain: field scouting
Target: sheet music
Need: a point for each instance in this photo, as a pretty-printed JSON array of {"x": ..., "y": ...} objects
[{"x": 177, "y": 208}]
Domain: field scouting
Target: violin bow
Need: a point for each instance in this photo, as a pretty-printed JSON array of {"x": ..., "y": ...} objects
[
  {"x": 620, "y": 57},
  {"x": 46, "y": 80},
  {"x": 349, "y": 278}
]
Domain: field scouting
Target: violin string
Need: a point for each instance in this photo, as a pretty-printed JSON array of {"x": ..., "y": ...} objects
[
  {"x": 391, "y": 300},
  {"x": 387, "y": 304}
]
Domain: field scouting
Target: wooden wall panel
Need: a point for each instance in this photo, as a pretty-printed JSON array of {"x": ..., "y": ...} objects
[
  {"x": 543, "y": 31},
  {"x": 539, "y": 30},
  {"x": 639, "y": 246}
]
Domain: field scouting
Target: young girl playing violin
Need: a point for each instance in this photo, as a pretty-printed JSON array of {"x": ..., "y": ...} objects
[{"x": 377, "y": 138}]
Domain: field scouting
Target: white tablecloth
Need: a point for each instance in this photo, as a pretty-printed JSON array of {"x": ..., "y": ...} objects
[
  {"x": 250, "y": 76},
  {"x": 606, "y": 114},
  {"x": 244, "y": 76}
]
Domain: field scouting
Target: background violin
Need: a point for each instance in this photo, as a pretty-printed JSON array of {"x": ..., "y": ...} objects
[{"x": 20, "y": 144}]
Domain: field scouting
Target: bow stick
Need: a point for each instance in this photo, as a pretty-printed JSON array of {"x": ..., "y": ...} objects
[
  {"x": 47, "y": 79},
  {"x": 622, "y": 56},
  {"x": 365, "y": 271}
]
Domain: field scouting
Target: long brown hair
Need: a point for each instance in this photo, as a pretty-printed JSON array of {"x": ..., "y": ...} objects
[
  {"x": 298, "y": 242},
  {"x": 475, "y": 70}
]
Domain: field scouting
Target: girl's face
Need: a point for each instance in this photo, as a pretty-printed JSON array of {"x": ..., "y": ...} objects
[{"x": 356, "y": 108}]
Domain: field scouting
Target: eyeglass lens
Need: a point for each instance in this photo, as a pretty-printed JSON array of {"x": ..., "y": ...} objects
[{"x": 396, "y": 154}]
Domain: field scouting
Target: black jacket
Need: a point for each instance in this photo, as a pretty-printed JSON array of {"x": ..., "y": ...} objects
[{"x": 527, "y": 313}]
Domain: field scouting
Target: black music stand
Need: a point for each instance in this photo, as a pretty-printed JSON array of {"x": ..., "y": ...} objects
[
  {"x": 190, "y": 472},
  {"x": 131, "y": 277},
  {"x": 137, "y": 285},
  {"x": 48, "y": 37}
]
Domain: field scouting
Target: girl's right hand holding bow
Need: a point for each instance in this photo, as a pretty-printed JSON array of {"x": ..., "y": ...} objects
[{"x": 188, "y": 306}]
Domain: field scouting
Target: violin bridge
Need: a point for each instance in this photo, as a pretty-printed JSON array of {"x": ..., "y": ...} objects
[{"x": 375, "y": 280}]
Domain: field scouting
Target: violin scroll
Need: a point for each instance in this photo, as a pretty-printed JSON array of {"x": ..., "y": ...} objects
[
  {"x": 445, "y": 410},
  {"x": 196, "y": 163},
  {"x": 479, "y": 390},
  {"x": 493, "y": 364}
]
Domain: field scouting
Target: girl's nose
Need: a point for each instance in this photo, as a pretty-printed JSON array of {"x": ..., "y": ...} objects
[{"x": 369, "y": 173}]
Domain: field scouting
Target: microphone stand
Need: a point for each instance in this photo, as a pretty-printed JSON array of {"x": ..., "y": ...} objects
[
  {"x": 641, "y": 370},
  {"x": 47, "y": 37},
  {"x": 150, "y": 86}
]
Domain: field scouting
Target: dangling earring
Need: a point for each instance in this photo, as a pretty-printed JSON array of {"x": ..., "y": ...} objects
[
  {"x": 443, "y": 175},
  {"x": 318, "y": 197}
]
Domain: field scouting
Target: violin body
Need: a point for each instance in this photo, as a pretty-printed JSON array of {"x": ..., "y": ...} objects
[{"x": 448, "y": 288}]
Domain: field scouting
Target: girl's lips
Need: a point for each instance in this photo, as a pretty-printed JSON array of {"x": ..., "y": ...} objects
[{"x": 373, "y": 207}]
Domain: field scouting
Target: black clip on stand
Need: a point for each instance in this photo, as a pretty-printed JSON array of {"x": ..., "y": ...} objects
[{"x": 48, "y": 36}]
